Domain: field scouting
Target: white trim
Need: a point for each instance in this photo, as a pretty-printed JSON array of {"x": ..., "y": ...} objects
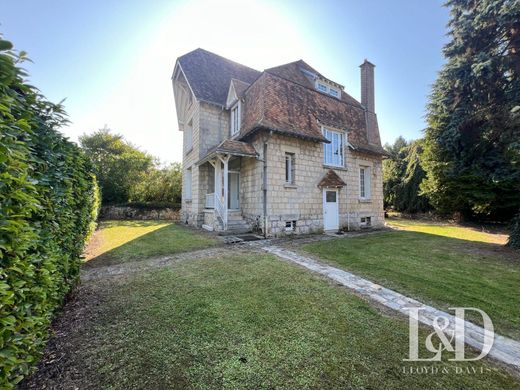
[
  {"x": 235, "y": 125},
  {"x": 343, "y": 135},
  {"x": 366, "y": 179},
  {"x": 327, "y": 88},
  {"x": 325, "y": 190}
]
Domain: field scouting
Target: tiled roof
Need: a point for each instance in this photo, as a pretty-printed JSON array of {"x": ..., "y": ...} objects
[
  {"x": 235, "y": 147},
  {"x": 331, "y": 179},
  {"x": 282, "y": 99},
  {"x": 240, "y": 87},
  {"x": 300, "y": 72},
  {"x": 209, "y": 75},
  {"x": 287, "y": 107}
]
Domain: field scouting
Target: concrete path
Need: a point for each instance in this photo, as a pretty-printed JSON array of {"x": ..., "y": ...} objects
[{"x": 504, "y": 349}]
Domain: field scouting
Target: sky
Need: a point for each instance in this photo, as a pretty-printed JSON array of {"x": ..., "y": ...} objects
[{"x": 112, "y": 60}]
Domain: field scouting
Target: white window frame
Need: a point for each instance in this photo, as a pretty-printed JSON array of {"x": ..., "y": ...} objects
[
  {"x": 328, "y": 149},
  {"x": 290, "y": 160},
  {"x": 365, "y": 183},
  {"x": 235, "y": 118},
  {"x": 188, "y": 184},
  {"x": 324, "y": 87}
]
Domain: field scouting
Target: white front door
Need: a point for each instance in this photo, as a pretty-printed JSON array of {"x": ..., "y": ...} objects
[
  {"x": 330, "y": 209},
  {"x": 233, "y": 190}
]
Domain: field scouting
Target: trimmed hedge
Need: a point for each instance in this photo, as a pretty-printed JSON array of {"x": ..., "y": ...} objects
[{"x": 48, "y": 206}]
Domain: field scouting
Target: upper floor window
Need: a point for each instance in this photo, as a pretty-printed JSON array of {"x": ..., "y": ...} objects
[
  {"x": 333, "y": 151},
  {"x": 235, "y": 119},
  {"x": 364, "y": 182},
  {"x": 328, "y": 89}
]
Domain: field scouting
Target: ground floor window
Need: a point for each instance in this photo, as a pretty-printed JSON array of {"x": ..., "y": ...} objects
[{"x": 289, "y": 168}]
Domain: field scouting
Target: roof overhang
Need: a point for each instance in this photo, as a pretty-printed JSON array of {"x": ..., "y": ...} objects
[{"x": 229, "y": 148}]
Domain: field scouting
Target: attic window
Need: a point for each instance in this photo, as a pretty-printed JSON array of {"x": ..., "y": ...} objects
[{"x": 328, "y": 89}]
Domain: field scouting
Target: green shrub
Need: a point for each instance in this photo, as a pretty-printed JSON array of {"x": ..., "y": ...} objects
[
  {"x": 159, "y": 185},
  {"x": 514, "y": 237},
  {"x": 48, "y": 204}
]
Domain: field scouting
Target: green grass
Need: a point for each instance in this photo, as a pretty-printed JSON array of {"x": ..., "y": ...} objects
[
  {"x": 441, "y": 265},
  {"x": 447, "y": 230},
  {"x": 121, "y": 241},
  {"x": 247, "y": 321}
]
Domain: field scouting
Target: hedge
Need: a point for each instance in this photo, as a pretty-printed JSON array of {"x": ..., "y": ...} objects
[{"x": 48, "y": 206}]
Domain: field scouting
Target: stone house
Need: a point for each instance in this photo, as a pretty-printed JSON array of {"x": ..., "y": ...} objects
[{"x": 281, "y": 151}]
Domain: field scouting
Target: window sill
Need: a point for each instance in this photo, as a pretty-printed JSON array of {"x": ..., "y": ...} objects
[
  {"x": 363, "y": 200},
  {"x": 189, "y": 151},
  {"x": 287, "y": 185},
  {"x": 339, "y": 168}
]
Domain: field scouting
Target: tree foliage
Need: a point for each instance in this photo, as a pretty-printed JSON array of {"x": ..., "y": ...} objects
[
  {"x": 119, "y": 165},
  {"x": 514, "y": 237},
  {"x": 159, "y": 185},
  {"x": 402, "y": 176},
  {"x": 48, "y": 207},
  {"x": 472, "y": 142}
]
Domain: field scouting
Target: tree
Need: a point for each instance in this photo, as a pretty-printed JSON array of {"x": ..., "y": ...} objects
[
  {"x": 514, "y": 238},
  {"x": 160, "y": 185},
  {"x": 472, "y": 142},
  {"x": 118, "y": 164},
  {"x": 402, "y": 176}
]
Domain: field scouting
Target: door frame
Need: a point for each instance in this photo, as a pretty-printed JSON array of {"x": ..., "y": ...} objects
[
  {"x": 238, "y": 190},
  {"x": 325, "y": 207}
]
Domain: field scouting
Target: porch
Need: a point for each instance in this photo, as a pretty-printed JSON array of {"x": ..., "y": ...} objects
[{"x": 222, "y": 200}]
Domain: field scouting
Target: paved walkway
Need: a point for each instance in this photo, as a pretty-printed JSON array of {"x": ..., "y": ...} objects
[{"x": 504, "y": 349}]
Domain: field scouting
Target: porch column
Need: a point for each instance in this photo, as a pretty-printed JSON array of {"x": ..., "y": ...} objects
[
  {"x": 225, "y": 161},
  {"x": 218, "y": 173}
]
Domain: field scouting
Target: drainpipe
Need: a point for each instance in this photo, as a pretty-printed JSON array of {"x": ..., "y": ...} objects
[{"x": 264, "y": 186}]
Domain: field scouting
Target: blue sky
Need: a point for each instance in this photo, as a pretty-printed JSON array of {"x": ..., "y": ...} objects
[{"x": 112, "y": 60}]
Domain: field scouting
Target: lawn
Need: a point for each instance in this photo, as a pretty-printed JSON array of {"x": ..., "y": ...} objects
[
  {"x": 120, "y": 241},
  {"x": 242, "y": 321},
  {"x": 443, "y": 265}
]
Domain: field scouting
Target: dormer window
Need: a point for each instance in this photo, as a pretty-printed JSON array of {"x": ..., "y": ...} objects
[
  {"x": 235, "y": 118},
  {"x": 329, "y": 89}
]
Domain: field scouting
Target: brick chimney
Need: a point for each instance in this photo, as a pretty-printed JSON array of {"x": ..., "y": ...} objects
[{"x": 367, "y": 85}]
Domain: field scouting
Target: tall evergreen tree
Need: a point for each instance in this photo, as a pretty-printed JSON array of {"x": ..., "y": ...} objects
[
  {"x": 472, "y": 142},
  {"x": 402, "y": 176}
]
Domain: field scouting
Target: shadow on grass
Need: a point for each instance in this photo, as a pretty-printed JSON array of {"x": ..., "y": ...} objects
[{"x": 129, "y": 241}]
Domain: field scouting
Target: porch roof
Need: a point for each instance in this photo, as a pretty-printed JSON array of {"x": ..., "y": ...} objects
[
  {"x": 230, "y": 147},
  {"x": 331, "y": 180}
]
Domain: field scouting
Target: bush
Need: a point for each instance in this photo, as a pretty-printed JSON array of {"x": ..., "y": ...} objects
[
  {"x": 48, "y": 204},
  {"x": 514, "y": 237},
  {"x": 159, "y": 185}
]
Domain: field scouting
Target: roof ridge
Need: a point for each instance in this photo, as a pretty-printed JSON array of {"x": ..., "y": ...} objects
[{"x": 219, "y": 56}]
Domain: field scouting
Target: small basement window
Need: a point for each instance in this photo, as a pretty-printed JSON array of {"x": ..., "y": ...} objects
[
  {"x": 290, "y": 226},
  {"x": 366, "y": 221}
]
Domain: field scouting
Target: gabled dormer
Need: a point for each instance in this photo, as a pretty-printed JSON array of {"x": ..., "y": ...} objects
[{"x": 235, "y": 97}]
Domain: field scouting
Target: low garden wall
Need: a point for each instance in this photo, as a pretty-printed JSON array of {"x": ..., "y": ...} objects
[{"x": 130, "y": 212}]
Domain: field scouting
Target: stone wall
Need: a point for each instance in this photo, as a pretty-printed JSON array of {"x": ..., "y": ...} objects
[
  {"x": 123, "y": 212},
  {"x": 303, "y": 201}
]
